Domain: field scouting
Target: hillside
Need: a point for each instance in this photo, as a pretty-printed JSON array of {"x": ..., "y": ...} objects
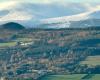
[{"x": 12, "y": 26}]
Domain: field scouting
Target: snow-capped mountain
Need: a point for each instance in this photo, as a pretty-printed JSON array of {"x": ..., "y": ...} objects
[
  {"x": 49, "y": 15},
  {"x": 86, "y": 19}
]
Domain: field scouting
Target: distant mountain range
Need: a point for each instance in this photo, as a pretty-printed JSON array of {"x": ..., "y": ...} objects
[{"x": 50, "y": 15}]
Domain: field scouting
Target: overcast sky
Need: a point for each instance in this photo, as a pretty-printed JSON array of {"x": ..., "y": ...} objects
[
  {"x": 51, "y": 1},
  {"x": 42, "y": 9}
]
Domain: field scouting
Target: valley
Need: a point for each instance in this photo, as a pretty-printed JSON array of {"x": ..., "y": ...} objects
[
  {"x": 44, "y": 54},
  {"x": 49, "y": 40}
]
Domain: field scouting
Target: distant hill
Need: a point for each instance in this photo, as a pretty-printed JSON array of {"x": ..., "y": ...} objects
[{"x": 12, "y": 26}]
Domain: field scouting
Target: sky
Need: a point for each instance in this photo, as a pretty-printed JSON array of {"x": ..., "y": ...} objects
[
  {"x": 51, "y": 1},
  {"x": 47, "y": 1},
  {"x": 11, "y": 9}
]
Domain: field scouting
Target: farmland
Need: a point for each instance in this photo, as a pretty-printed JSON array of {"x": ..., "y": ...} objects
[
  {"x": 8, "y": 44},
  {"x": 92, "y": 61},
  {"x": 73, "y": 77}
]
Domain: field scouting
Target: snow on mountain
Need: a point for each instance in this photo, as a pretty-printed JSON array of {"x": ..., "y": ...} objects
[
  {"x": 86, "y": 19},
  {"x": 94, "y": 13},
  {"x": 37, "y": 15}
]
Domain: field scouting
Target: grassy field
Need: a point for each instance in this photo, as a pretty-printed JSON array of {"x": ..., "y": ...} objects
[
  {"x": 23, "y": 39},
  {"x": 14, "y": 42},
  {"x": 8, "y": 44},
  {"x": 92, "y": 60},
  {"x": 64, "y": 77},
  {"x": 73, "y": 77},
  {"x": 96, "y": 77}
]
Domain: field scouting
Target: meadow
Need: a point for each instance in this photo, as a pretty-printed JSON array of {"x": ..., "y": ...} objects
[{"x": 73, "y": 77}]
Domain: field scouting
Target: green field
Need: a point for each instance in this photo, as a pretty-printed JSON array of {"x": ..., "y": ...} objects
[
  {"x": 72, "y": 77},
  {"x": 14, "y": 42},
  {"x": 8, "y": 44},
  {"x": 96, "y": 77},
  {"x": 92, "y": 60},
  {"x": 23, "y": 39},
  {"x": 64, "y": 77}
]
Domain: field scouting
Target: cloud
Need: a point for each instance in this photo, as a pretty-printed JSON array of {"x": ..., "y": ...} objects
[
  {"x": 4, "y": 5},
  {"x": 54, "y": 1},
  {"x": 61, "y": 1}
]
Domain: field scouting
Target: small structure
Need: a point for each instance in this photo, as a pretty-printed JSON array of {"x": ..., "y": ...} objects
[{"x": 24, "y": 43}]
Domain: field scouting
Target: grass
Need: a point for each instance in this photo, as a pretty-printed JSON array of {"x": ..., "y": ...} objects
[
  {"x": 64, "y": 77},
  {"x": 24, "y": 39},
  {"x": 72, "y": 77},
  {"x": 8, "y": 44},
  {"x": 92, "y": 60},
  {"x": 13, "y": 43},
  {"x": 96, "y": 77}
]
